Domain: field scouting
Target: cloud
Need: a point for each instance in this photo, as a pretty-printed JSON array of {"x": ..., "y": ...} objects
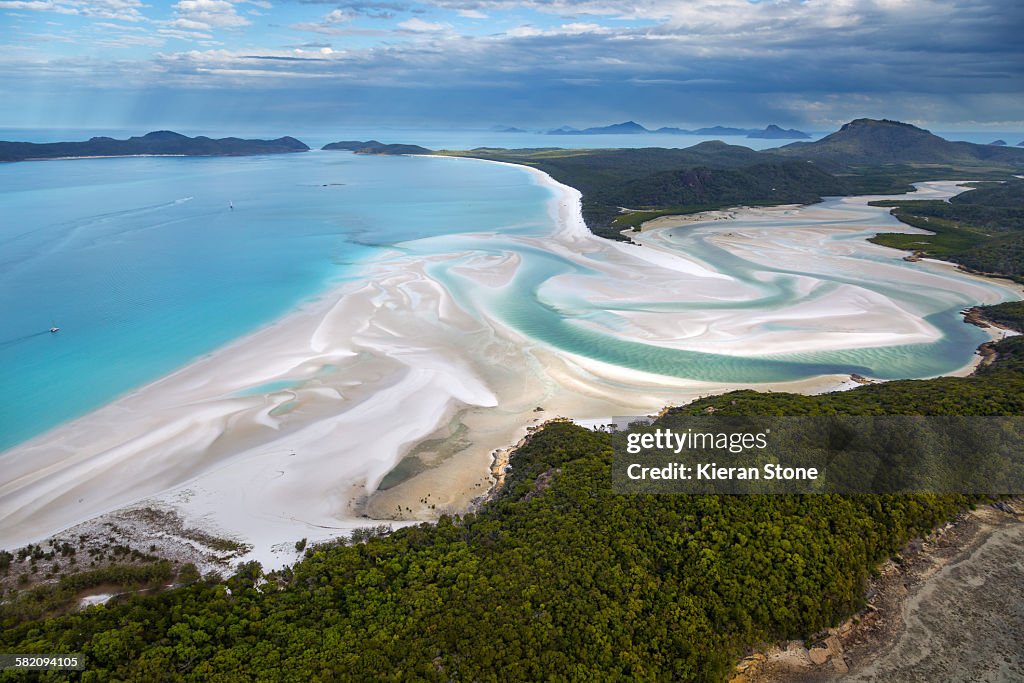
[
  {"x": 131, "y": 40},
  {"x": 370, "y": 9},
  {"x": 285, "y": 58},
  {"x": 184, "y": 35},
  {"x": 417, "y": 25},
  {"x": 207, "y": 14},
  {"x": 328, "y": 24},
  {"x": 713, "y": 61},
  {"x": 121, "y": 10}
]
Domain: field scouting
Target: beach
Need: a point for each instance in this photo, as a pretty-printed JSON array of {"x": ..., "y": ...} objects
[{"x": 426, "y": 360}]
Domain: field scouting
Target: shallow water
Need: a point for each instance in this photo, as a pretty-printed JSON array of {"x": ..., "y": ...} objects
[{"x": 145, "y": 265}]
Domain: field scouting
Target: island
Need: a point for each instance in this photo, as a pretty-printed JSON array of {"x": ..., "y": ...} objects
[
  {"x": 772, "y": 131},
  {"x": 625, "y": 128},
  {"x": 157, "y": 143},
  {"x": 375, "y": 147}
]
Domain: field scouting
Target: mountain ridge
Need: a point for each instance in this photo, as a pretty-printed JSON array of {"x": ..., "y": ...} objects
[
  {"x": 883, "y": 141},
  {"x": 375, "y": 147},
  {"x": 155, "y": 143},
  {"x": 771, "y": 131}
]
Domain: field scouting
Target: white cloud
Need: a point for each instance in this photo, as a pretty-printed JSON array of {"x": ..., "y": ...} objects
[
  {"x": 573, "y": 29},
  {"x": 417, "y": 25},
  {"x": 207, "y": 14},
  {"x": 337, "y": 16},
  {"x": 121, "y": 10},
  {"x": 472, "y": 14},
  {"x": 524, "y": 31},
  {"x": 131, "y": 40},
  {"x": 577, "y": 28},
  {"x": 188, "y": 24},
  {"x": 328, "y": 24},
  {"x": 184, "y": 35}
]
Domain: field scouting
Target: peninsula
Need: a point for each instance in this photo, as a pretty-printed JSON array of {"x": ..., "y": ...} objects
[{"x": 157, "y": 143}]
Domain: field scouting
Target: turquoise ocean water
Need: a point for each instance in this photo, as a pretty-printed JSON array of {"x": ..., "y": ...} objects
[{"x": 144, "y": 266}]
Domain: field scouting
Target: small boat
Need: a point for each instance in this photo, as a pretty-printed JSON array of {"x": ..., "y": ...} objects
[
  {"x": 231, "y": 205},
  {"x": 54, "y": 330}
]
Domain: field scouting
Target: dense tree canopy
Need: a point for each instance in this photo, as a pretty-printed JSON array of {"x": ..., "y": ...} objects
[{"x": 556, "y": 578}]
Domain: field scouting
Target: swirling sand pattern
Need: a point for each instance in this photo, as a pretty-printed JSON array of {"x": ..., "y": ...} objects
[{"x": 286, "y": 433}]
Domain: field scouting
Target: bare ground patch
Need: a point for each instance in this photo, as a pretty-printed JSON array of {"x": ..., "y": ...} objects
[{"x": 950, "y": 608}]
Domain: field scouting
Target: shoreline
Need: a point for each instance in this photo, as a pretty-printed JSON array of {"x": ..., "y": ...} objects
[{"x": 272, "y": 466}]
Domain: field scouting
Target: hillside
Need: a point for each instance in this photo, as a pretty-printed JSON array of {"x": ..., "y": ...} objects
[
  {"x": 863, "y": 157},
  {"x": 707, "y": 175},
  {"x": 773, "y": 132},
  {"x": 162, "y": 142},
  {"x": 374, "y": 147},
  {"x": 625, "y": 128},
  {"x": 872, "y": 142},
  {"x": 981, "y": 229}
]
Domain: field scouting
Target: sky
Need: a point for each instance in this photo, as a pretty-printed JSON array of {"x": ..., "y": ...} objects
[{"x": 944, "y": 64}]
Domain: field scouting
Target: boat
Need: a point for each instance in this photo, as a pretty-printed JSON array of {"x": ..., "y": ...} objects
[{"x": 54, "y": 330}]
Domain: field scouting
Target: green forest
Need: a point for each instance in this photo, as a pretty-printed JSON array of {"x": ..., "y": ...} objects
[
  {"x": 981, "y": 229},
  {"x": 557, "y": 578},
  {"x": 671, "y": 181}
]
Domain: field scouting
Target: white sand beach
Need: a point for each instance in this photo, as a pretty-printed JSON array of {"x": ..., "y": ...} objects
[{"x": 287, "y": 433}]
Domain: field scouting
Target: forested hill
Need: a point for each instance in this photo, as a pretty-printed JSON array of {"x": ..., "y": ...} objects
[
  {"x": 162, "y": 142},
  {"x": 870, "y": 141},
  {"x": 375, "y": 147},
  {"x": 707, "y": 175},
  {"x": 980, "y": 229},
  {"x": 557, "y": 579}
]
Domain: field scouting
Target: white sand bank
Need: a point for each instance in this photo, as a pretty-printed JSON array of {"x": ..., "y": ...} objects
[{"x": 359, "y": 377}]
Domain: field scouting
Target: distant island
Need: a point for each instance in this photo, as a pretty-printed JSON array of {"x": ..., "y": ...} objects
[
  {"x": 633, "y": 128},
  {"x": 157, "y": 143},
  {"x": 375, "y": 147},
  {"x": 773, "y": 132},
  {"x": 998, "y": 143}
]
